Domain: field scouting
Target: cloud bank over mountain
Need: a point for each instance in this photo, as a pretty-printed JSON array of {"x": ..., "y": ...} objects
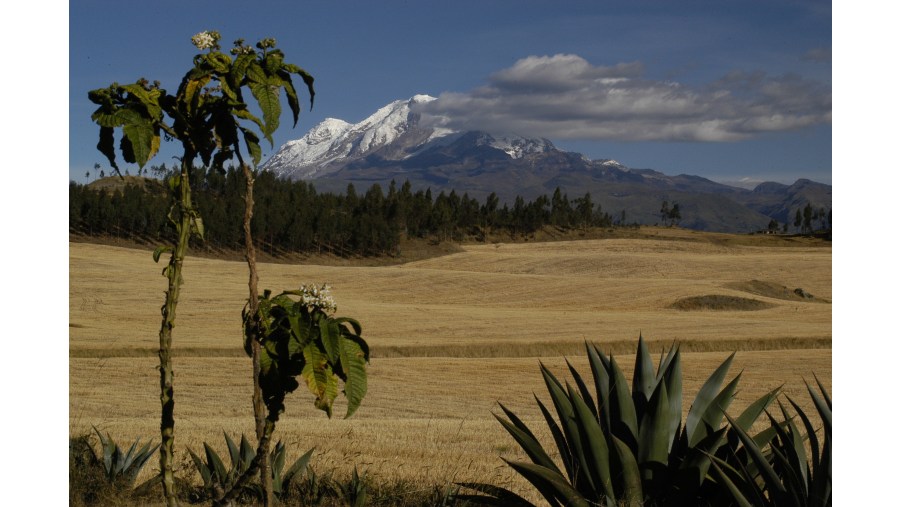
[{"x": 566, "y": 97}]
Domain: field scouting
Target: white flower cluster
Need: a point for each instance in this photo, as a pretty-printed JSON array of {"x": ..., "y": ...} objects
[
  {"x": 205, "y": 40},
  {"x": 318, "y": 297}
]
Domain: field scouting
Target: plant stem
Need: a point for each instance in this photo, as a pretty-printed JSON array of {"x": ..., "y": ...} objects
[
  {"x": 166, "y": 391},
  {"x": 259, "y": 408}
]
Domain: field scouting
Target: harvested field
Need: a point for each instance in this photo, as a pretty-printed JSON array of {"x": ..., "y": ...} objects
[{"x": 450, "y": 336}]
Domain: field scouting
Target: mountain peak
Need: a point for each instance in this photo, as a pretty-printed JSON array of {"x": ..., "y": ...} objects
[{"x": 392, "y": 133}]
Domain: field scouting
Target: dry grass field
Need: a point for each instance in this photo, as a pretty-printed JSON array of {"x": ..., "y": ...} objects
[{"x": 450, "y": 336}]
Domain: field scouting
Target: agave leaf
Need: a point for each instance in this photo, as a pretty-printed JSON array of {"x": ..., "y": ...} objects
[
  {"x": 543, "y": 478},
  {"x": 495, "y": 495},
  {"x": 107, "y": 447},
  {"x": 205, "y": 472},
  {"x": 632, "y": 489},
  {"x": 793, "y": 460},
  {"x": 601, "y": 383},
  {"x": 665, "y": 362},
  {"x": 644, "y": 378},
  {"x": 824, "y": 392},
  {"x": 768, "y": 474},
  {"x": 234, "y": 454},
  {"x": 297, "y": 467},
  {"x": 653, "y": 443},
  {"x": 823, "y": 406},
  {"x": 561, "y": 445},
  {"x": 798, "y": 455},
  {"x": 138, "y": 460},
  {"x": 216, "y": 465},
  {"x": 528, "y": 443},
  {"x": 566, "y": 413},
  {"x": 594, "y": 443},
  {"x": 582, "y": 389},
  {"x": 810, "y": 434},
  {"x": 736, "y": 494},
  {"x": 750, "y": 414},
  {"x": 247, "y": 453},
  {"x": 671, "y": 378},
  {"x": 695, "y": 464},
  {"x": 277, "y": 457},
  {"x": 702, "y": 402},
  {"x": 623, "y": 419},
  {"x": 712, "y": 417}
]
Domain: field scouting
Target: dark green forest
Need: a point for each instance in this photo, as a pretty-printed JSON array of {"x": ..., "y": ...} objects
[{"x": 290, "y": 216}]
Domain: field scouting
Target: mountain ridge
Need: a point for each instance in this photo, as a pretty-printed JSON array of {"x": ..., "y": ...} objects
[{"x": 393, "y": 144}]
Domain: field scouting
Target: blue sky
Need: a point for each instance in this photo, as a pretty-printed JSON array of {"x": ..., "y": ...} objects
[{"x": 731, "y": 91}]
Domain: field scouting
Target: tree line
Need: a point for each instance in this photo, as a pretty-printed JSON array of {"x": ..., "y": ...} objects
[{"x": 291, "y": 216}]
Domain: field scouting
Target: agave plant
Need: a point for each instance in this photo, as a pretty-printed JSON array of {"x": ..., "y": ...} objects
[
  {"x": 630, "y": 446},
  {"x": 784, "y": 474},
  {"x": 120, "y": 465},
  {"x": 217, "y": 477},
  {"x": 213, "y": 472},
  {"x": 281, "y": 478}
]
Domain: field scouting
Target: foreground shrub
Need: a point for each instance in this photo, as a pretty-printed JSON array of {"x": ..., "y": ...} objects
[
  {"x": 627, "y": 448},
  {"x": 107, "y": 478},
  {"x": 784, "y": 474},
  {"x": 217, "y": 478}
]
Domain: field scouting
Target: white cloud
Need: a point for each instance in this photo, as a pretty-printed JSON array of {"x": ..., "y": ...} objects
[{"x": 566, "y": 97}]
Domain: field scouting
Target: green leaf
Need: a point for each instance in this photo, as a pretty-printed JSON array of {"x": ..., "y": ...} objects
[
  {"x": 319, "y": 378},
  {"x": 654, "y": 433},
  {"x": 729, "y": 484},
  {"x": 768, "y": 474},
  {"x": 106, "y": 145},
  {"x": 563, "y": 490},
  {"x": 265, "y": 90},
  {"x": 159, "y": 251},
  {"x": 671, "y": 378},
  {"x": 601, "y": 382},
  {"x": 702, "y": 402},
  {"x": 597, "y": 455},
  {"x": 353, "y": 363},
  {"x": 140, "y": 140},
  {"x": 496, "y": 496},
  {"x": 644, "y": 378},
  {"x": 527, "y": 441},
  {"x": 331, "y": 333},
  {"x": 630, "y": 474},
  {"x": 297, "y": 467},
  {"x": 251, "y": 140},
  {"x": 216, "y": 464},
  {"x": 623, "y": 416}
]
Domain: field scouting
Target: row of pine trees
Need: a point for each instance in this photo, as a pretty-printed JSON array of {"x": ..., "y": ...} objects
[{"x": 290, "y": 216}]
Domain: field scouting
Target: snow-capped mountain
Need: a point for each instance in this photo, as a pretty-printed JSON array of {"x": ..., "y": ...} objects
[
  {"x": 392, "y": 133},
  {"x": 394, "y": 147}
]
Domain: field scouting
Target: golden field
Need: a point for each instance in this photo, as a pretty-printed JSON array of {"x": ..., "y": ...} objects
[{"x": 450, "y": 336}]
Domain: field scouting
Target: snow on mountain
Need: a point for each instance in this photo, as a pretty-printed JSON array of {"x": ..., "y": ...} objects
[{"x": 393, "y": 132}]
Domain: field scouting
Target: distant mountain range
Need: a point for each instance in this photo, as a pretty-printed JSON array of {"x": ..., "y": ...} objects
[{"x": 392, "y": 144}]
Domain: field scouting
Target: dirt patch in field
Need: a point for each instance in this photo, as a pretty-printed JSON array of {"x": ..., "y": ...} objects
[
  {"x": 719, "y": 302},
  {"x": 775, "y": 290}
]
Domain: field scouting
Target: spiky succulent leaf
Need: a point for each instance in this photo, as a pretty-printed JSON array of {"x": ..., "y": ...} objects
[
  {"x": 548, "y": 479},
  {"x": 601, "y": 383},
  {"x": 644, "y": 378},
  {"x": 493, "y": 495},
  {"x": 623, "y": 417},
  {"x": 653, "y": 438},
  {"x": 582, "y": 389},
  {"x": 595, "y": 447},
  {"x": 702, "y": 402},
  {"x": 767, "y": 473}
]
